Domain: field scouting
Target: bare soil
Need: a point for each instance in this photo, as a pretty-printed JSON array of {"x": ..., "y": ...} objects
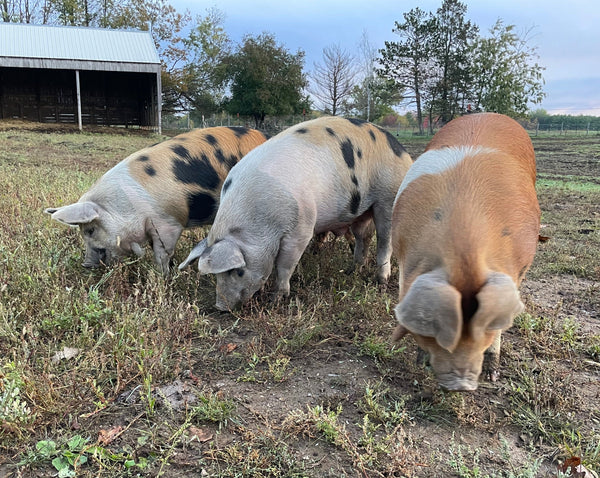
[{"x": 333, "y": 370}]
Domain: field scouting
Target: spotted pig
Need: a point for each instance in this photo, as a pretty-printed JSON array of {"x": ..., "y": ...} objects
[
  {"x": 152, "y": 195},
  {"x": 328, "y": 174},
  {"x": 465, "y": 229}
]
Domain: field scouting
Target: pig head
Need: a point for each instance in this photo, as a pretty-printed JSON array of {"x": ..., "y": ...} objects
[{"x": 465, "y": 229}]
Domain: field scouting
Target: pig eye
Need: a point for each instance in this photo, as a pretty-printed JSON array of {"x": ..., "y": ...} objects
[
  {"x": 90, "y": 231},
  {"x": 240, "y": 272}
]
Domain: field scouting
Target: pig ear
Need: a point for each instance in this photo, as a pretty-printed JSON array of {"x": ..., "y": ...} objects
[
  {"x": 431, "y": 308},
  {"x": 222, "y": 256},
  {"x": 498, "y": 303},
  {"x": 194, "y": 254},
  {"x": 75, "y": 214}
]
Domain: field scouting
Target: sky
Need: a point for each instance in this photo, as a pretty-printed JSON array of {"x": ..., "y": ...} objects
[{"x": 565, "y": 32}]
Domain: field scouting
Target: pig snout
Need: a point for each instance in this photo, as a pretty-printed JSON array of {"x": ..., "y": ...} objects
[
  {"x": 94, "y": 257},
  {"x": 459, "y": 381}
]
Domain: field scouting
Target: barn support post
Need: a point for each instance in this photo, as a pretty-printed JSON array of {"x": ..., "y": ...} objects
[
  {"x": 159, "y": 102},
  {"x": 77, "y": 85}
]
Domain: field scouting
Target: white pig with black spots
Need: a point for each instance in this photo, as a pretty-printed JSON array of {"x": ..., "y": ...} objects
[
  {"x": 153, "y": 194},
  {"x": 327, "y": 174}
]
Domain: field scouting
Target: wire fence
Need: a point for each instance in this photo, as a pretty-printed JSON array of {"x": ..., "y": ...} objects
[{"x": 274, "y": 124}]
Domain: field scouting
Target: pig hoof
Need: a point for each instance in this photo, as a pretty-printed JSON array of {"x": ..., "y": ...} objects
[
  {"x": 493, "y": 375},
  {"x": 422, "y": 358}
]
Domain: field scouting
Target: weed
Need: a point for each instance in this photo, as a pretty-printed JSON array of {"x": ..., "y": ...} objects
[
  {"x": 380, "y": 406},
  {"x": 14, "y": 410},
  {"x": 466, "y": 462},
  {"x": 278, "y": 368},
  {"x": 569, "y": 334},
  {"x": 69, "y": 457},
  {"x": 256, "y": 456},
  {"x": 326, "y": 422},
  {"x": 214, "y": 408}
]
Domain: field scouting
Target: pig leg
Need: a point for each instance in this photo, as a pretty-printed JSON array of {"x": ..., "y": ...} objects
[
  {"x": 363, "y": 233},
  {"x": 291, "y": 248},
  {"x": 491, "y": 359},
  {"x": 163, "y": 238},
  {"x": 382, "y": 216}
]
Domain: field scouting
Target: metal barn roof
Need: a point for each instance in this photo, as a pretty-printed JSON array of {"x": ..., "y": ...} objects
[{"x": 43, "y": 46}]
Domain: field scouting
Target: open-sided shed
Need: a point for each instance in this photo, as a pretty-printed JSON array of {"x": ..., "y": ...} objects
[{"x": 79, "y": 75}]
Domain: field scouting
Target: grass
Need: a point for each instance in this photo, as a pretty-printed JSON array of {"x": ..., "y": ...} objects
[{"x": 117, "y": 372}]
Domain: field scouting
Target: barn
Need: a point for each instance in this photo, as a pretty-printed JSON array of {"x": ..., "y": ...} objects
[{"x": 84, "y": 76}]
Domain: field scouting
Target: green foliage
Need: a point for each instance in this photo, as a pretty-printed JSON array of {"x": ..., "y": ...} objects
[
  {"x": 380, "y": 94},
  {"x": 506, "y": 77},
  {"x": 214, "y": 408},
  {"x": 406, "y": 62},
  {"x": 199, "y": 83},
  {"x": 326, "y": 422},
  {"x": 14, "y": 411},
  {"x": 444, "y": 66},
  {"x": 266, "y": 79}
]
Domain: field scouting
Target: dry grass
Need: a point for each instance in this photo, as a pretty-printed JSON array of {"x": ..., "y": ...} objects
[{"x": 159, "y": 384}]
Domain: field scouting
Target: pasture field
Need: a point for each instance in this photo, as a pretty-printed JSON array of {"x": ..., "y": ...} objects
[{"x": 119, "y": 373}]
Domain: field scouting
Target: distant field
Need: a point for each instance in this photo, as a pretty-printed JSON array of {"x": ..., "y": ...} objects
[{"x": 115, "y": 372}]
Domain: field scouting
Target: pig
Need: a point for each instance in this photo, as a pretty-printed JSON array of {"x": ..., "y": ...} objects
[
  {"x": 326, "y": 174},
  {"x": 465, "y": 227},
  {"x": 153, "y": 194}
]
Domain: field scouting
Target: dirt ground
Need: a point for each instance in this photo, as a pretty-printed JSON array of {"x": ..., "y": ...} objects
[{"x": 482, "y": 430}]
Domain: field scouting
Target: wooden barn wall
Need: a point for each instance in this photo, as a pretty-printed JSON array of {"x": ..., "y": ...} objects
[{"x": 107, "y": 98}]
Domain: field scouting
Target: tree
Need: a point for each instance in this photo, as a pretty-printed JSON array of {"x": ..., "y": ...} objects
[
  {"x": 408, "y": 62},
  {"x": 194, "y": 80},
  {"x": 265, "y": 79},
  {"x": 368, "y": 57},
  {"x": 334, "y": 78},
  {"x": 506, "y": 75},
  {"x": 372, "y": 99},
  {"x": 452, "y": 37},
  {"x": 22, "y": 11}
]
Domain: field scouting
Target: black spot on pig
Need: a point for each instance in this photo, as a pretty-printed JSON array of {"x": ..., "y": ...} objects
[
  {"x": 150, "y": 171},
  {"x": 372, "y": 135},
  {"x": 393, "y": 143},
  {"x": 181, "y": 151},
  {"x": 357, "y": 122},
  {"x": 348, "y": 153},
  {"x": 143, "y": 158},
  {"x": 359, "y": 153},
  {"x": 202, "y": 208},
  {"x": 210, "y": 139},
  {"x": 195, "y": 170},
  {"x": 220, "y": 156},
  {"x": 302, "y": 130},
  {"x": 330, "y": 131},
  {"x": 239, "y": 131},
  {"x": 228, "y": 162},
  {"x": 354, "y": 202},
  {"x": 231, "y": 160},
  {"x": 226, "y": 185},
  {"x": 354, "y": 180},
  {"x": 438, "y": 214}
]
